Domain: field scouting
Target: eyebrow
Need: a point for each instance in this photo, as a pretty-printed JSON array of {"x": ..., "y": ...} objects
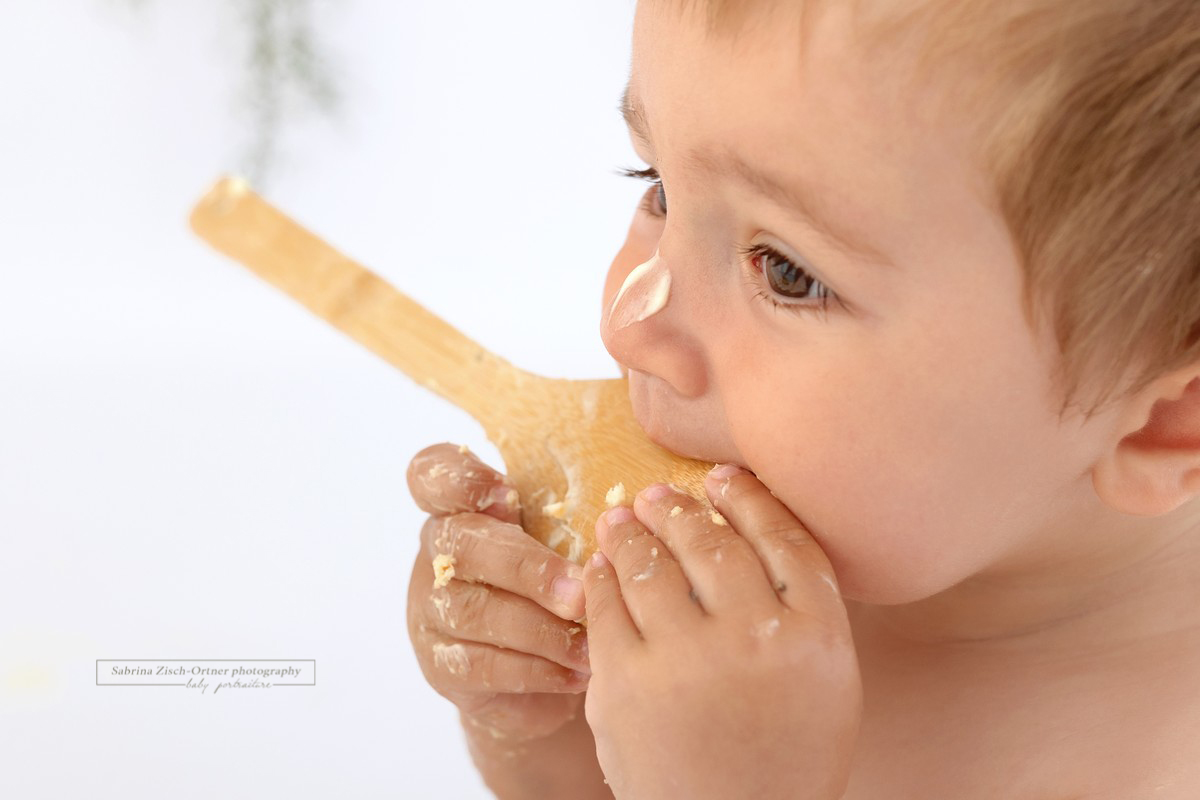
[{"x": 804, "y": 204}]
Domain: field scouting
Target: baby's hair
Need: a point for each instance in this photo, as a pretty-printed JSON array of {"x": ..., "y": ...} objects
[{"x": 1088, "y": 114}]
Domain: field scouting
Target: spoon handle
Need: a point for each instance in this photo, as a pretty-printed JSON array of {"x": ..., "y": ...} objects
[{"x": 242, "y": 225}]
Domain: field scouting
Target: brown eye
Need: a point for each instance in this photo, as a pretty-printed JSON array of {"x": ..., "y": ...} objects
[{"x": 784, "y": 277}]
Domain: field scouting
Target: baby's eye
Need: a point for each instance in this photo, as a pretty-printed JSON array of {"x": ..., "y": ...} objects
[
  {"x": 782, "y": 275},
  {"x": 654, "y": 202},
  {"x": 785, "y": 278}
]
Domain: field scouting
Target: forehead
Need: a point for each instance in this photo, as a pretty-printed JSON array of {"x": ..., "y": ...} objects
[
  {"x": 805, "y": 95},
  {"x": 734, "y": 20},
  {"x": 990, "y": 57},
  {"x": 999, "y": 60}
]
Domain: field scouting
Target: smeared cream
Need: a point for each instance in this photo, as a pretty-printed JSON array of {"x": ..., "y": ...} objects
[
  {"x": 453, "y": 657},
  {"x": 643, "y": 294}
]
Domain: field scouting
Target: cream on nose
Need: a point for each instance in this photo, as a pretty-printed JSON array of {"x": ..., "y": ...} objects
[{"x": 644, "y": 293}]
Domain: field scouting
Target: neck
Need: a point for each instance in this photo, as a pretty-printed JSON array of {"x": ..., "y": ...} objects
[{"x": 1106, "y": 582}]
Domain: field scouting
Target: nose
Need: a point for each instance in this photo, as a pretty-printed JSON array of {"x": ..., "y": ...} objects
[{"x": 646, "y": 327}]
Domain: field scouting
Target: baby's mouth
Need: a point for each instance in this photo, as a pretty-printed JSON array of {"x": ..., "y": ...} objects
[
  {"x": 687, "y": 429},
  {"x": 661, "y": 424}
]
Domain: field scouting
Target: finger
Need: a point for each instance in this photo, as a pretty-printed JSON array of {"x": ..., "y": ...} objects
[
  {"x": 798, "y": 568},
  {"x": 721, "y": 566},
  {"x": 481, "y": 549},
  {"x": 611, "y": 630},
  {"x": 653, "y": 585},
  {"x": 453, "y": 665},
  {"x": 479, "y": 613},
  {"x": 493, "y": 616},
  {"x": 450, "y": 479}
]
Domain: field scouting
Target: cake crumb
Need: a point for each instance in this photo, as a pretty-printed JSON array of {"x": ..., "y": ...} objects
[
  {"x": 676, "y": 511},
  {"x": 512, "y": 499},
  {"x": 443, "y": 569},
  {"x": 616, "y": 496},
  {"x": 718, "y": 519},
  {"x": 462, "y": 448},
  {"x": 557, "y": 510}
]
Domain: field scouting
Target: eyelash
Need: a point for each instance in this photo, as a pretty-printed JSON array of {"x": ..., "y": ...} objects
[
  {"x": 649, "y": 175},
  {"x": 748, "y": 253}
]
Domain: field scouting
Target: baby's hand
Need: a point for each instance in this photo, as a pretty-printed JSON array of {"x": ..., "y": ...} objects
[
  {"x": 721, "y": 654},
  {"x": 491, "y": 636}
]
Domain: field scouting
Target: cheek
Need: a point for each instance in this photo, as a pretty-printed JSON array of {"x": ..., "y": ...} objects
[{"x": 910, "y": 479}]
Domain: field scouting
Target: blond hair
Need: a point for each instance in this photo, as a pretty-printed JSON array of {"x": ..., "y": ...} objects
[{"x": 1092, "y": 141}]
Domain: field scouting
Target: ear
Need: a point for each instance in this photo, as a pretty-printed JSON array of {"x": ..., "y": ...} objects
[{"x": 1155, "y": 466}]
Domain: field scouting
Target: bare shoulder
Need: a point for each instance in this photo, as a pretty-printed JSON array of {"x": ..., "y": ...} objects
[
  {"x": 1054, "y": 725},
  {"x": 1134, "y": 737},
  {"x": 1154, "y": 724},
  {"x": 1156, "y": 756}
]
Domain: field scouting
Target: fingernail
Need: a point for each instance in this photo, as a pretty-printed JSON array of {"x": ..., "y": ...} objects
[
  {"x": 652, "y": 494},
  {"x": 598, "y": 559},
  {"x": 567, "y": 590},
  {"x": 614, "y": 516},
  {"x": 724, "y": 472},
  {"x": 580, "y": 677}
]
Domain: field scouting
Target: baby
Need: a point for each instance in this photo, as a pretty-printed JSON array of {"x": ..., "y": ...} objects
[{"x": 923, "y": 278}]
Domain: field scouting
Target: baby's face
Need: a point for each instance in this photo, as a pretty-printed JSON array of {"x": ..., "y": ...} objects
[{"x": 868, "y": 357}]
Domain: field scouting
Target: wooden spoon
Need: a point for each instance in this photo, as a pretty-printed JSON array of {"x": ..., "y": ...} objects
[{"x": 563, "y": 441}]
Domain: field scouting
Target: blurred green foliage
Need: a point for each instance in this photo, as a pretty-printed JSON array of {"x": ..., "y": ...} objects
[{"x": 287, "y": 74}]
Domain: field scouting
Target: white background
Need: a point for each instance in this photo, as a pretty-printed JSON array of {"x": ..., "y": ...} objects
[{"x": 191, "y": 465}]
